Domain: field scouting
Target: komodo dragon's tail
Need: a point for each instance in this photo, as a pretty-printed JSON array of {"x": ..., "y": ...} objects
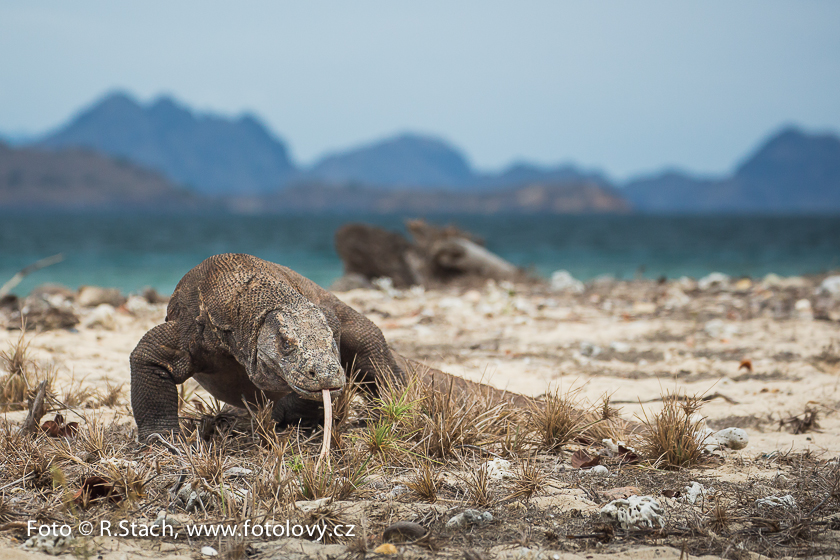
[{"x": 442, "y": 381}]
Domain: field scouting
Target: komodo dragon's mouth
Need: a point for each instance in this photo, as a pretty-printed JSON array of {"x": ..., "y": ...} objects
[{"x": 316, "y": 395}]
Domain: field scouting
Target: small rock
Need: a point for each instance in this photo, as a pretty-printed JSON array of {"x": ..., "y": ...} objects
[
  {"x": 831, "y": 286},
  {"x": 386, "y": 548},
  {"x": 619, "y": 346},
  {"x": 103, "y": 317},
  {"x": 636, "y": 512},
  {"x": 733, "y": 438},
  {"x": 52, "y": 543},
  {"x": 237, "y": 472},
  {"x": 716, "y": 328},
  {"x": 599, "y": 470},
  {"x": 563, "y": 281},
  {"x": 91, "y": 296},
  {"x": 498, "y": 470},
  {"x": 209, "y": 551},
  {"x": 803, "y": 309},
  {"x": 589, "y": 349},
  {"x": 403, "y": 530},
  {"x": 777, "y": 501},
  {"x": 152, "y": 296},
  {"x": 469, "y": 517},
  {"x": 716, "y": 280}
]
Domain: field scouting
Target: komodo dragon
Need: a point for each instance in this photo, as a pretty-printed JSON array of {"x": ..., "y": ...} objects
[{"x": 240, "y": 325}]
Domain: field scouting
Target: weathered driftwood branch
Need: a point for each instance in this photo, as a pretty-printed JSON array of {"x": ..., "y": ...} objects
[
  {"x": 27, "y": 270},
  {"x": 436, "y": 255}
]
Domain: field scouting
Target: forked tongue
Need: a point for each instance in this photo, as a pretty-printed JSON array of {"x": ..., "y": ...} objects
[{"x": 328, "y": 421}]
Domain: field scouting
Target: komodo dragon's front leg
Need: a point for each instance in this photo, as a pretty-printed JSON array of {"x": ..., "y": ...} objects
[{"x": 157, "y": 366}]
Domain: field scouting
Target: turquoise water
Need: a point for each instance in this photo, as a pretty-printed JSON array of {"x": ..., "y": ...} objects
[{"x": 133, "y": 251}]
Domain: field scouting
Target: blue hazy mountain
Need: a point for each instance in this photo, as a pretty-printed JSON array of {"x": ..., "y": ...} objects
[
  {"x": 791, "y": 172},
  {"x": 401, "y": 162},
  {"x": 209, "y": 154}
]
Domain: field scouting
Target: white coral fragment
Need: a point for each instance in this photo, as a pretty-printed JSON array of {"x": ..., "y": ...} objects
[{"x": 636, "y": 512}]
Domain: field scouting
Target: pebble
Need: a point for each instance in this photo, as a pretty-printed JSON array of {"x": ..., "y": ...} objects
[
  {"x": 733, "y": 438},
  {"x": 563, "y": 281},
  {"x": 599, "y": 470},
  {"x": 469, "y": 517},
  {"x": 209, "y": 551},
  {"x": 102, "y": 317}
]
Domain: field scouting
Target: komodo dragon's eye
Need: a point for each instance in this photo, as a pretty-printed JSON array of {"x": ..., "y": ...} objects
[{"x": 284, "y": 345}]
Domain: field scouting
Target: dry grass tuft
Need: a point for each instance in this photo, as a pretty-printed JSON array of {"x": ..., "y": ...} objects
[
  {"x": 328, "y": 517},
  {"x": 478, "y": 487},
  {"x": 528, "y": 480},
  {"x": 559, "y": 420},
  {"x": 673, "y": 438},
  {"x": 719, "y": 518},
  {"x": 22, "y": 374},
  {"x": 335, "y": 481},
  {"x": 425, "y": 482}
]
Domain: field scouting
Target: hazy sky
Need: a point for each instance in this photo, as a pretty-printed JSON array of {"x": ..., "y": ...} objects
[{"x": 628, "y": 87}]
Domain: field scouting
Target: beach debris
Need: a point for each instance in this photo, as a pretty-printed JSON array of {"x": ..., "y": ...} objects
[
  {"x": 717, "y": 328},
  {"x": 403, "y": 530},
  {"x": 209, "y": 551},
  {"x": 801, "y": 423},
  {"x": 385, "y": 548},
  {"x": 396, "y": 491},
  {"x": 786, "y": 501},
  {"x": 435, "y": 255},
  {"x": 589, "y": 349},
  {"x": 803, "y": 309},
  {"x": 714, "y": 280},
  {"x": 56, "y": 428},
  {"x": 36, "y": 411},
  {"x": 103, "y": 316},
  {"x": 469, "y": 517},
  {"x": 43, "y": 313},
  {"x": 237, "y": 472},
  {"x": 694, "y": 492},
  {"x": 498, "y": 469},
  {"x": 6, "y": 288},
  {"x": 153, "y": 296},
  {"x": 831, "y": 286},
  {"x": 620, "y": 493},
  {"x": 95, "y": 488},
  {"x": 51, "y": 543},
  {"x": 746, "y": 364},
  {"x": 91, "y": 296},
  {"x": 732, "y": 438},
  {"x": 599, "y": 470},
  {"x": 563, "y": 281},
  {"x": 583, "y": 460},
  {"x": 636, "y": 512}
]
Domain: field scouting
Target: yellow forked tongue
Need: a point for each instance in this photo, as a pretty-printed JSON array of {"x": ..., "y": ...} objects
[{"x": 328, "y": 421}]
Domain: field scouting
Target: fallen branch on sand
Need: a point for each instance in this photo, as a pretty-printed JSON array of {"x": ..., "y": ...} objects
[{"x": 27, "y": 270}]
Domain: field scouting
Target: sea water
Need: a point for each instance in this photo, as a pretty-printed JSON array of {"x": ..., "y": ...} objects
[{"x": 132, "y": 251}]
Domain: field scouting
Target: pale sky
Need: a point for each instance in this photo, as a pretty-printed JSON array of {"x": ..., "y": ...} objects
[{"x": 627, "y": 87}]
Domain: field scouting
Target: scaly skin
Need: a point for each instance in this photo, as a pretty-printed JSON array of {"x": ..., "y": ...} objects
[{"x": 241, "y": 326}]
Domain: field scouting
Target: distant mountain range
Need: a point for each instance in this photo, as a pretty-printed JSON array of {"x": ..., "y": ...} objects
[
  {"x": 75, "y": 179},
  {"x": 793, "y": 172},
  {"x": 239, "y": 164},
  {"x": 208, "y": 154}
]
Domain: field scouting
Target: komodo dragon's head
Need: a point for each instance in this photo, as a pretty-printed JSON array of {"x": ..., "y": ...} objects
[{"x": 297, "y": 350}]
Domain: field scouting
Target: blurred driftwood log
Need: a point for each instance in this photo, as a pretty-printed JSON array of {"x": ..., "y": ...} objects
[{"x": 434, "y": 256}]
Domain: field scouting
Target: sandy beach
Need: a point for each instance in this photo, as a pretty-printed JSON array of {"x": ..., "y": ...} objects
[{"x": 765, "y": 353}]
